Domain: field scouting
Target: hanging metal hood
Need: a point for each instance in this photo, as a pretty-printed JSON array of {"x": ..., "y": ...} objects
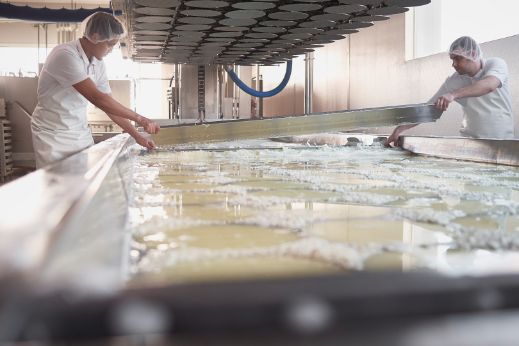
[{"x": 245, "y": 32}]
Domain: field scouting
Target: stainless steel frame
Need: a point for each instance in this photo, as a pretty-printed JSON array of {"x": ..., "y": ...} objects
[
  {"x": 79, "y": 203},
  {"x": 67, "y": 223},
  {"x": 296, "y": 125},
  {"x": 497, "y": 151}
]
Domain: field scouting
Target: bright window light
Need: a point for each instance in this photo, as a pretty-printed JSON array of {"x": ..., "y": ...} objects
[
  {"x": 435, "y": 26},
  {"x": 150, "y": 86},
  {"x": 19, "y": 61}
]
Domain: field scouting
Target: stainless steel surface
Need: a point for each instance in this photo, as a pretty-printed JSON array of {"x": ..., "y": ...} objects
[
  {"x": 205, "y": 18},
  {"x": 51, "y": 223},
  {"x": 298, "y": 125},
  {"x": 309, "y": 82},
  {"x": 498, "y": 151},
  {"x": 416, "y": 308}
]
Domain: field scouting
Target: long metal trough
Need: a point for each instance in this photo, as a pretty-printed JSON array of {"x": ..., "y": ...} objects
[{"x": 63, "y": 263}]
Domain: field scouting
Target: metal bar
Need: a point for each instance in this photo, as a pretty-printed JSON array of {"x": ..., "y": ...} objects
[
  {"x": 497, "y": 151},
  {"x": 296, "y": 125},
  {"x": 260, "y": 99},
  {"x": 341, "y": 303},
  {"x": 309, "y": 82}
]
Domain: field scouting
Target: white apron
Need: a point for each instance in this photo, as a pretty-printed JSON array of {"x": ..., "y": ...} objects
[
  {"x": 60, "y": 135},
  {"x": 59, "y": 123}
]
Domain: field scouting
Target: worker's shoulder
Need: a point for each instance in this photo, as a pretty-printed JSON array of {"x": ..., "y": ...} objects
[
  {"x": 495, "y": 61},
  {"x": 68, "y": 48}
]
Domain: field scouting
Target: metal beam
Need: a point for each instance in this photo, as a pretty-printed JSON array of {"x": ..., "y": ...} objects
[
  {"x": 296, "y": 125},
  {"x": 497, "y": 151}
]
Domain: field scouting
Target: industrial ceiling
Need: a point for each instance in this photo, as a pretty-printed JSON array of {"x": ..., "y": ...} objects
[{"x": 263, "y": 32}]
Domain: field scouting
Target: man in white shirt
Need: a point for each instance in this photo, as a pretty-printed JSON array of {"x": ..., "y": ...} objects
[
  {"x": 480, "y": 86},
  {"x": 74, "y": 73}
]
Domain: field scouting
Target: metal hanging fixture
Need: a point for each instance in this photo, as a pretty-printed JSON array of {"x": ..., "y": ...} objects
[{"x": 234, "y": 32}]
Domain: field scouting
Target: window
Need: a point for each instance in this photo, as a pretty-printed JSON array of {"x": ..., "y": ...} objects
[
  {"x": 150, "y": 83},
  {"x": 19, "y": 61},
  {"x": 430, "y": 29},
  {"x": 150, "y": 80}
]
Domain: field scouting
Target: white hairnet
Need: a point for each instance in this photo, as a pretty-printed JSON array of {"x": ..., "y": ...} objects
[
  {"x": 466, "y": 47},
  {"x": 105, "y": 25}
]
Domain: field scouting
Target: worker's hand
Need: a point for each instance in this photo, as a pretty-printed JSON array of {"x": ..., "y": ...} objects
[
  {"x": 393, "y": 138},
  {"x": 149, "y": 126},
  {"x": 444, "y": 101},
  {"x": 145, "y": 142}
]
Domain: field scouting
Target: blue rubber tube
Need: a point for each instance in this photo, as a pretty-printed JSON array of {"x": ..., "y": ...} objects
[{"x": 257, "y": 93}]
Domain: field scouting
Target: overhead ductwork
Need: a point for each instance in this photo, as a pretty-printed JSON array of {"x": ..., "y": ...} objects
[{"x": 47, "y": 15}]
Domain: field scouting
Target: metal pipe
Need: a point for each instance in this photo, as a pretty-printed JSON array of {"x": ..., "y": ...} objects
[
  {"x": 235, "y": 107},
  {"x": 219, "y": 93},
  {"x": 178, "y": 85},
  {"x": 46, "y": 26},
  {"x": 171, "y": 108},
  {"x": 38, "y": 27},
  {"x": 309, "y": 82},
  {"x": 261, "y": 98}
]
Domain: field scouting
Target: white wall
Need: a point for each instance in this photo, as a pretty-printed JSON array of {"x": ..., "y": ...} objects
[{"x": 332, "y": 77}]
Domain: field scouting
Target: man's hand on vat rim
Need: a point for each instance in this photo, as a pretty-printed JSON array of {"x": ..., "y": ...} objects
[{"x": 394, "y": 137}]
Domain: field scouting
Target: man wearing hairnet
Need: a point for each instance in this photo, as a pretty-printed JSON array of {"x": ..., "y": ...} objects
[
  {"x": 480, "y": 86},
  {"x": 74, "y": 73}
]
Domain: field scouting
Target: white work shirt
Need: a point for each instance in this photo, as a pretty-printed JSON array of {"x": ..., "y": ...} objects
[
  {"x": 59, "y": 122},
  {"x": 487, "y": 116}
]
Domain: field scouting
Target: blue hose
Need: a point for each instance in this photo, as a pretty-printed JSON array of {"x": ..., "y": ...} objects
[{"x": 257, "y": 93}]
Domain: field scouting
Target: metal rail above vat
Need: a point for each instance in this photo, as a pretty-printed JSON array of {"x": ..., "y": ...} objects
[{"x": 296, "y": 125}]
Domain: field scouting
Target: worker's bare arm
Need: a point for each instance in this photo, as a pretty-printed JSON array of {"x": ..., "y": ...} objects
[
  {"x": 128, "y": 127},
  {"x": 480, "y": 88},
  {"x": 109, "y": 105}
]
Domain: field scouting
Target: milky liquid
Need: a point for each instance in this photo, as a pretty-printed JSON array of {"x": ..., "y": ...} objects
[{"x": 228, "y": 213}]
